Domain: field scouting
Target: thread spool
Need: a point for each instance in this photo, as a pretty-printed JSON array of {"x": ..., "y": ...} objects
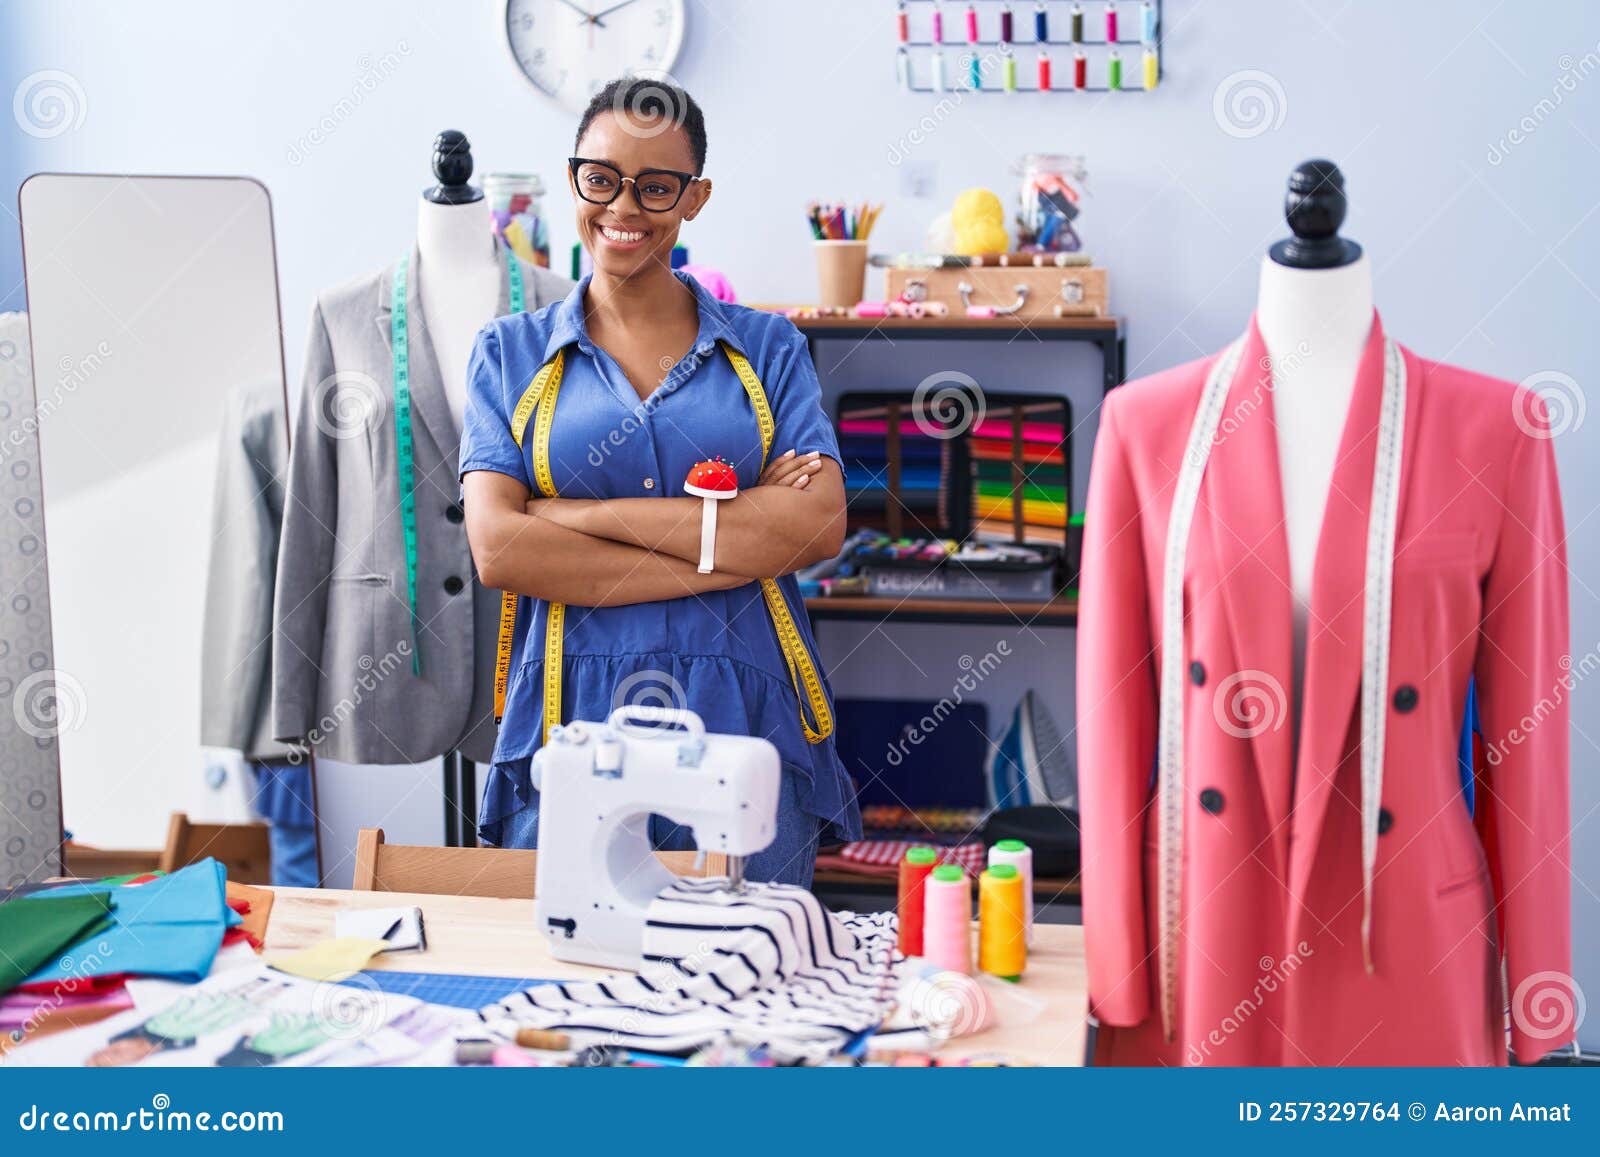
[
  {"x": 1041, "y": 23},
  {"x": 915, "y": 868},
  {"x": 947, "y": 919},
  {"x": 1044, "y": 71},
  {"x": 1077, "y": 23},
  {"x": 1005, "y": 24},
  {"x": 936, "y": 70},
  {"x": 902, "y": 69},
  {"x": 1111, "y": 22},
  {"x": 975, "y": 73},
  {"x": 1080, "y": 70},
  {"x": 972, "y": 24},
  {"x": 902, "y": 22},
  {"x": 1010, "y": 73},
  {"x": 936, "y": 30},
  {"x": 1147, "y": 22},
  {"x": 1002, "y": 929},
  {"x": 1152, "y": 69},
  {"x": 1020, "y": 856},
  {"x": 543, "y": 1038},
  {"x": 1113, "y": 71}
]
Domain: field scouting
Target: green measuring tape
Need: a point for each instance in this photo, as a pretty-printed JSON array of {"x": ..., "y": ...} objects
[{"x": 405, "y": 452}]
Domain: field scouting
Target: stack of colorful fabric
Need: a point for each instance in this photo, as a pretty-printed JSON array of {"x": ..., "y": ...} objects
[
  {"x": 863, "y": 444},
  {"x": 1045, "y": 491},
  {"x": 70, "y": 948}
]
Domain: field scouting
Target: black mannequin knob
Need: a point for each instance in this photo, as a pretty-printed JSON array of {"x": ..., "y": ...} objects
[
  {"x": 452, "y": 165},
  {"x": 1315, "y": 207}
]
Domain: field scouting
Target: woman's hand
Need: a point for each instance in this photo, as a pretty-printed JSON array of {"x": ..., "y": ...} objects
[{"x": 788, "y": 470}]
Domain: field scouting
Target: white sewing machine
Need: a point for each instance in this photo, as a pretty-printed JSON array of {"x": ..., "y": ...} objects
[{"x": 599, "y": 783}]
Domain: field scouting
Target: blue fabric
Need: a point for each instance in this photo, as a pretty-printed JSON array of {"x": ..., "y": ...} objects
[
  {"x": 170, "y": 927},
  {"x": 283, "y": 794},
  {"x": 716, "y": 653},
  {"x": 789, "y": 859},
  {"x": 1470, "y": 726}
]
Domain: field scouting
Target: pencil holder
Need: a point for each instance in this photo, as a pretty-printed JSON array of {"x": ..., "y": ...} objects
[{"x": 841, "y": 272}]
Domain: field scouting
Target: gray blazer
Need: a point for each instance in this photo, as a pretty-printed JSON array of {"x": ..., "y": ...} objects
[
  {"x": 342, "y": 640},
  {"x": 246, "y": 521}
]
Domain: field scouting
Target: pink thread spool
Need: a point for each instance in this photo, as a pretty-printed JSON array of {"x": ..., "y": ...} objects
[{"x": 947, "y": 919}]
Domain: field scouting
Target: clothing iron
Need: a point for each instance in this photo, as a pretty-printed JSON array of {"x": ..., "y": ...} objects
[{"x": 598, "y": 785}]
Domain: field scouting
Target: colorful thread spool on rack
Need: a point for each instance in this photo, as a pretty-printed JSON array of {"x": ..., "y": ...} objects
[
  {"x": 1002, "y": 927},
  {"x": 988, "y": 34},
  {"x": 947, "y": 919}
]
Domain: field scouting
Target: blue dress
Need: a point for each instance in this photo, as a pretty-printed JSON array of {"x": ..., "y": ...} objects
[{"x": 716, "y": 653}]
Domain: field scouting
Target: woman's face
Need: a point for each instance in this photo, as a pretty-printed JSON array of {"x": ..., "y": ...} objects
[{"x": 622, "y": 237}]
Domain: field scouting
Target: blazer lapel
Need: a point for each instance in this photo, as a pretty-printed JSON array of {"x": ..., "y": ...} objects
[
  {"x": 1338, "y": 602},
  {"x": 429, "y": 405},
  {"x": 1242, "y": 502}
]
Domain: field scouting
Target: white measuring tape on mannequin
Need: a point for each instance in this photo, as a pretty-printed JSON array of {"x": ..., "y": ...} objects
[{"x": 1382, "y": 522}]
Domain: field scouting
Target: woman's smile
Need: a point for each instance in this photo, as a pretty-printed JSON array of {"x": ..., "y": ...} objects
[{"x": 624, "y": 239}]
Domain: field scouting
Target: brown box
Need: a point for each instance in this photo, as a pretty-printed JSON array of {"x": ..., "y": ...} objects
[{"x": 1021, "y": 289}]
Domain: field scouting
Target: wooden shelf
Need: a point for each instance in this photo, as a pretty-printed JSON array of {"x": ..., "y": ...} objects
[
  {"x": 1061, "y": 611},
  {"x": 957, "y": 326},
  {"x": 1044, "y": 888}
]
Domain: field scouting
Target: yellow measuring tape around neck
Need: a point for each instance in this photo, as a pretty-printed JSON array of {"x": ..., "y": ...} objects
[{"x": 538, "y": 404}]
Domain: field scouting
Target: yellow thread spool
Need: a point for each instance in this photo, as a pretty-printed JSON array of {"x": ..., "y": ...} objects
[{"x": 1002, "y": 922}]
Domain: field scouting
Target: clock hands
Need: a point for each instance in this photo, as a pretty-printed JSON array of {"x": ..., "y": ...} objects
[
  {"x": 613, "y": 8},
  {"x": 588, "y": 17}
]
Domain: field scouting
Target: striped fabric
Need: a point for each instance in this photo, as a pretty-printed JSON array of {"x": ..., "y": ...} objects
[{"x": 767, "y": 966}]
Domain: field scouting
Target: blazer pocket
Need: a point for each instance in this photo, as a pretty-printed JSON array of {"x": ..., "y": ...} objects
[
  {"x": 1479, "y": 878},
  {"x": 1445, "y": 548},
  {"x": 370, "y": 580}
]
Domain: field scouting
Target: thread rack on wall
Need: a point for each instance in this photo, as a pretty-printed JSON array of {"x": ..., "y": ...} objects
[{"x": 1047, "y": 46}]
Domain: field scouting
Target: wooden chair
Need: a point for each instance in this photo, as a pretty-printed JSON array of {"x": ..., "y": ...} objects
[
  {"x": 245, "y": 850},
  {"x": 499, "y": 873}
]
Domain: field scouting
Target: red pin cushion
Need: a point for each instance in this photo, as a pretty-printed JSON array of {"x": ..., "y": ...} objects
[{"x": 712, "y": 478}]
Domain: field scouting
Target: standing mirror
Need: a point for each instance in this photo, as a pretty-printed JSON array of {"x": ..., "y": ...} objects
[{"x": 162, "y": 426}]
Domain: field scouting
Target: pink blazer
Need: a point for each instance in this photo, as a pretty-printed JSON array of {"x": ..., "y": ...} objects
[{"x": 1270, "y": 962}]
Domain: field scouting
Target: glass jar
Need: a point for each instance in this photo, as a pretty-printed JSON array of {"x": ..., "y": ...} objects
[
  {"x": 1049, "y": 198},
  {"x": 516, "y": 202}
]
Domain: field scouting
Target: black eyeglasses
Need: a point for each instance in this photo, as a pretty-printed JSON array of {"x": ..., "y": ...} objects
[{"x": 656, "y": 190}]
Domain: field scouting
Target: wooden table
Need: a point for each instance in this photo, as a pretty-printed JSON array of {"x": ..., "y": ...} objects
[{"x": 1040, "y": 1019}]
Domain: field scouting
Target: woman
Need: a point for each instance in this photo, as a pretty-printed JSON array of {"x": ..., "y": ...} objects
[{"x": 582, "y": 423}]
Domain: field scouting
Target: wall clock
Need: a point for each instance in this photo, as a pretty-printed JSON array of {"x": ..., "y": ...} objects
[{"x": 570, "y": 49}]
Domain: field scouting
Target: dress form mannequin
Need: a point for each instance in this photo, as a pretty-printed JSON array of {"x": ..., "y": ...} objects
[
  {"x": 1314, "y": 311},
  {"x": 458, "y": 275}
]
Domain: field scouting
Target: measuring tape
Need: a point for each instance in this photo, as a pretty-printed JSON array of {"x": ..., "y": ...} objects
[
  {"x": 405, "y": 448},
  {"x": 538, "y": 403},
  {"x": 1382, "y": 523}
]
